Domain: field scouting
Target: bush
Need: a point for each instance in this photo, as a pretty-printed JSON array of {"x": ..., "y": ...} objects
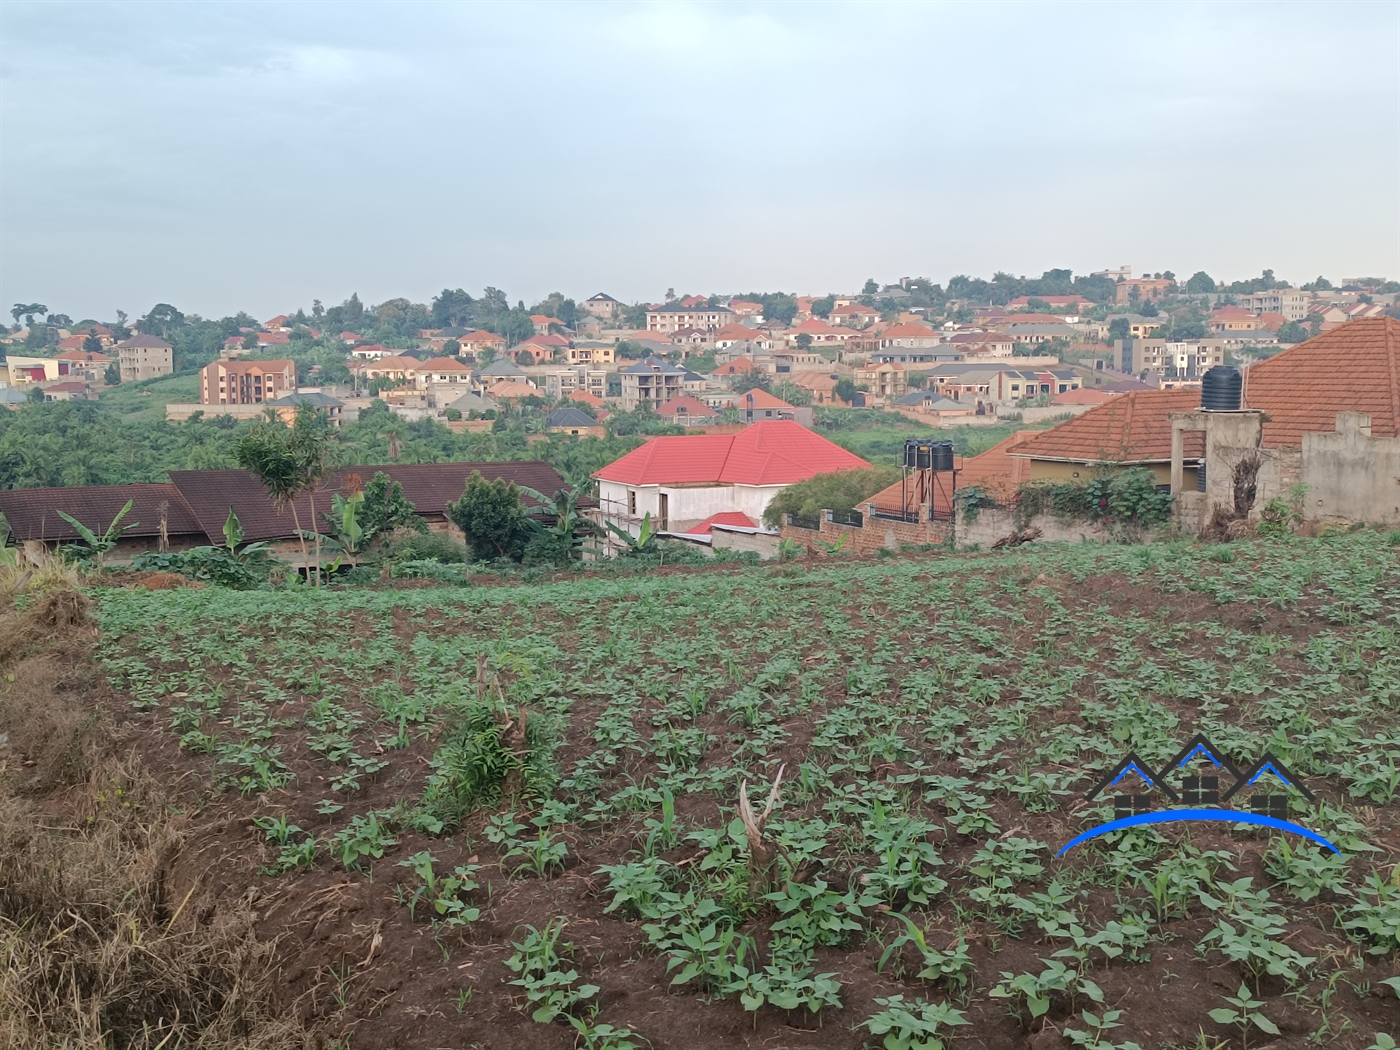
[
  {"x": 492, "y": 517},
  {"x": 1126, "y": 499},
  {"x": 490, "y": 752},
  {"x": 841, "y": 490},
  {"x": 430, "y": 546},
  {"x": 432, "y": 570}
]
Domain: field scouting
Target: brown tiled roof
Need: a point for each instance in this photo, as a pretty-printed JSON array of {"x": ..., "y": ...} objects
[
  {"x": 33, "y": 513},
  {"x": 995, "y": 470},
  {"x": 1132, "y": 428},
  {"x": 1353, "y": 368},
  {"x": 429, "y": 486}
]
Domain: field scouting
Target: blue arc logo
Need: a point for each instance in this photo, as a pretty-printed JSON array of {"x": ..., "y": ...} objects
[
  {"x": 1227, "y": 816},
  {"x": 1140, "y": 796}
]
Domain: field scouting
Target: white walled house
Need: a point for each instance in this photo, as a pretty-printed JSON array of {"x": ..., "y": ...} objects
[{"x": 681, "y": 481}]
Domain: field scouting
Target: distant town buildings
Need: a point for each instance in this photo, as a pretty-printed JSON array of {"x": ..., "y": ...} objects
[{"x": 144, "y": 357}]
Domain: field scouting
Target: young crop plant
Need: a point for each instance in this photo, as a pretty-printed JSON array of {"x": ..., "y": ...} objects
[
  {"x": 912, "y": 1025},
  {"x": 1247, "y": 930},
  {"x": 817, "y": 917},
  {"x": 541, "y": 855},
  {"x": 951, "y": 968},
  {"x": 1098, "y": 1024},
  {"x": 543, "y": 962},
  {"x": 365, "y": 836},
  {"x": 1245, "y": 1014},
  {"x": 443, "y": 894},
  {"x": 292, "y": 855},
  {"x": 1034, "y": 991}
]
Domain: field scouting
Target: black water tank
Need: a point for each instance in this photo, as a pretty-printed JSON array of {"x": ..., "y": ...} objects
[
  {"x": 1220, "y": 390},
  {"x": 942, "y": 455},
  {"x": 1201, "y": 477}
]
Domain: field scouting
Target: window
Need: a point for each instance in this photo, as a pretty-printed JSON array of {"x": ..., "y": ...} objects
[{"x": 631, "y": 502}]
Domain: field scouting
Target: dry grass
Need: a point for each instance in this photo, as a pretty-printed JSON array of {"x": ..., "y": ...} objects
[{"x": 96, "y": 951}]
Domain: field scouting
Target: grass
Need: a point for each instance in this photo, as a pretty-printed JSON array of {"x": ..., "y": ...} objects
[
  {"x": 146, "y": 400},
  {"x": 924, "y": 728},
  {"x": 880, "y": 436}
]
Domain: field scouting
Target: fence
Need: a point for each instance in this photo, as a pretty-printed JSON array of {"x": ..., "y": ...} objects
[
  {"x": 848, "y": 517},
  {"x": 797, "y": 521},
  {"x": 886, "y": 514}
]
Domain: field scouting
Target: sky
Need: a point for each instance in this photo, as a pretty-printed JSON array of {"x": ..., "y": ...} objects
[{"x": 257, "y": 156}]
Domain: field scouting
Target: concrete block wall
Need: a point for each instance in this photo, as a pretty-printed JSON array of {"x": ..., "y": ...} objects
[{"x": 874, "y": 534}]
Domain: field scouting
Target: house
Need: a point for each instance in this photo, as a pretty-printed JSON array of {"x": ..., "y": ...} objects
[
  {"x": 651, "y": 381},
  {"x": 192, "y": 509},
  {"x": 931, "y": 403},
  {"x": 144, "y": 357},
  {"x": 273, "y": 339},
  {"x": 1082, "y": 396},
  {"x": 591, "y": 353},
  {"x": 351, "y": 337},
  {"x": 574, "y": 422},
  {"x": 278, "y": 323},
  {"x": 909, "y": 336},
  {"x": 883, "y": 381},
  {"x": 565, "y": 381},
  {"x": 686, "y": 411},
  {"x": 1290, "y": 302},
  {"x": 333, "y": 408},
  {"x": 820, "y": 333},
  {"x": 854, "y": 315},
  {"x": 68, "y": 391},
  {"x": 681, "y": 481},
  {"x": 733, "y": 334},
  {"x": 744, "y": 308},
  {"x": 737, "y": 366},
  {"x": 588, "y": 400},
  {"x": 11, "y": 398},
  {"x": 246, "y": 382},
  {"x": 1181, "y": 358},
  {"x": 470, "y": 402},
  {"x": 997, "y": 384},
  {"x": 1035, "y": 334},
  {"x": 666, "y": 319},
  {"x": 371, "y": 352},
  {"x": 1324, "y": 414},
  {"x": 1232, "y": 319},
  {"x": 535, "y": 349},
  {"x": 396, "y": 368},
  {"x": 512, "y": 390},
  {"x": 1131, "y": 289},
  {"x": 442, "y": 370},
  {"x": 1074, "y": 304},
  {"x": 983, "y": 344},
  {"x": 758, "y": 404},
  {"x": 543, "y": 323},
  {"x": 691, "y": 337},
  {"x": 477, "y": 342},
  {"x": 603, "y": 306},
  {"x": 821, "y": 385},
  {"x": 497, "y": 371}
]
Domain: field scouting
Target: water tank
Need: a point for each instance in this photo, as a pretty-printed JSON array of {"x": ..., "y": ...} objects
[
  {"x": 1201, "y": 477},
  {"x": 918, "y": 455},
  {"x": 942, "y": 455},
  {"x": 1220, "y": 390}
]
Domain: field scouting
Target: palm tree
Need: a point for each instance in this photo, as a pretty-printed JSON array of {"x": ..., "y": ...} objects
[{"x": 289, "y": 461}]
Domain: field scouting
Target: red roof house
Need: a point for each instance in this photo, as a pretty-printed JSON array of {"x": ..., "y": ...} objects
[{"x": 682, "y": 481}]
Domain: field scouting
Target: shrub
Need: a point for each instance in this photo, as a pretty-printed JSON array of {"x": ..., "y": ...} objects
[
  {"x": 430, "y": 546},
  {"x": 492, "y": 517},
  {"x": 841, "y": 490},
  {"x": 487, "y": 753}
]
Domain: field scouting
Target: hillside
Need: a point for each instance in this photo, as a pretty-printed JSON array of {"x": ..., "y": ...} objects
[{"x": 424, "y": 795}]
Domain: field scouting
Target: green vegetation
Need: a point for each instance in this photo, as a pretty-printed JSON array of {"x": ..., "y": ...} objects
[
  {"x": 879, "y": 436},
  {"x": 839, "y": 491},
  {"x": 915, "y": 736}
]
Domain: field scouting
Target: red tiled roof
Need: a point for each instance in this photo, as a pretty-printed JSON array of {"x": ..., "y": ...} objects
[
  {"x": 444, "y": 364},
  {"x": 1131, "y": 428},
  {"x": 759, "y": 398},
  {"x": 583, "y": 397},
  {"x": 728, "y": 517},
  {"x": 1085, "y": 395},
  {"x": 351, "y": 337},
  {"x": 1353, "y": 368},
  {"x": 66, "y": 388},
  {"x": 1231, "y": 313},
  {"x": 908, "y": 331},
  {"x": 690, "y": 406},
  {"x": 774, "y": 452},
  {"x": 1053, "y": 300},
  {"x": 91, "y": 357},
  {"x": 729, "y": 368},
  {"x": 396, "y": 362}
]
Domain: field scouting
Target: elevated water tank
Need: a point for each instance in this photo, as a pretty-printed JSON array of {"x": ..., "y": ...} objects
[
  {"x": 942, "y": 455},
  {"x": 918, "y": 454},
  {"x": 1220, "y": 390}
]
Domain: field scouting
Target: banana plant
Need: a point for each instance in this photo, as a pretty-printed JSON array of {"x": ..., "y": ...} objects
[
  {"x": 94, "y": 548},
  {"x": 642, "y": 543},
  {"x": 347, "y": 534}
]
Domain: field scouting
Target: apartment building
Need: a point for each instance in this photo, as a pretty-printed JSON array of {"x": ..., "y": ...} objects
[
  {"x": 560, "y": 384},
  {"x": 246, "y": 382},
  {"x": 667, "y": 319},
  {"x": 651, "y": 381},
  {"x": 144, "y": 357},
  {"x": 1189, "y": 358},
  {"x": 1290, "y": 302}
]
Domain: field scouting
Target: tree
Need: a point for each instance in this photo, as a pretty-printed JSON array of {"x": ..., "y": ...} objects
[
  {"x": 561, "y": 542},
  {"x": 250, "y": 341},
  {"x": 822, "y": 307},
  {"x": 161, "y": 320},
  {"x": 1292, "y": 332},
  {"x": 492, "y": 517},
  {"x": 803, "y": 341},
  {"x": 635, "y": 316},
  {"x": 1118, "y": 328},
  {"x": 94, "y": 548},
  {"x": 793, "y": 394},
  {"x": 1038, "y": 305},
  {"x": 1188, "y": 330},
  {"x": 112, "y": 375},
  {"x": 845, "y": 389},
  {"x": 754, "y": 380},
  {"x": 1322, "y": 284},
  {"x": 452, "y": 308},
  {"x": 92, "y": 345},
  {"x": 870, "y": 288},
  {"x": 27, "y": 311},
  {"x": 451, "y": 348},
  {"x": 290, "y": 462}
]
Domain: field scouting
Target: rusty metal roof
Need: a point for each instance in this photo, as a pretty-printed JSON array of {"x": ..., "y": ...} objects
[{"x": 33, "y": 513}]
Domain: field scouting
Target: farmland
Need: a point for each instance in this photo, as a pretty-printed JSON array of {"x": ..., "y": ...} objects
[{"x": 505, "y": 816}]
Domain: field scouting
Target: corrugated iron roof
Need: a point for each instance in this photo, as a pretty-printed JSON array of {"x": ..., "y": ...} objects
[{"x": 33, "y": 513}]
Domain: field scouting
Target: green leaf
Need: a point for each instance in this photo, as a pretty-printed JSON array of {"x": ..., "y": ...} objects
[
  {"x": 1264, "y": 1024},
  {"x": 1223, "y": 1016},
  {"x": 1038, "y": 1005}
]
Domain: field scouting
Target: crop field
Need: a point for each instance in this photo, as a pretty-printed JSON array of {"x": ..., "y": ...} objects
[{"x": 509, "y": 816}]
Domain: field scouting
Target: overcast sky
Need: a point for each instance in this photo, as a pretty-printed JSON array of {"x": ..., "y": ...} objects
[{"x": 259, "y": 155}]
